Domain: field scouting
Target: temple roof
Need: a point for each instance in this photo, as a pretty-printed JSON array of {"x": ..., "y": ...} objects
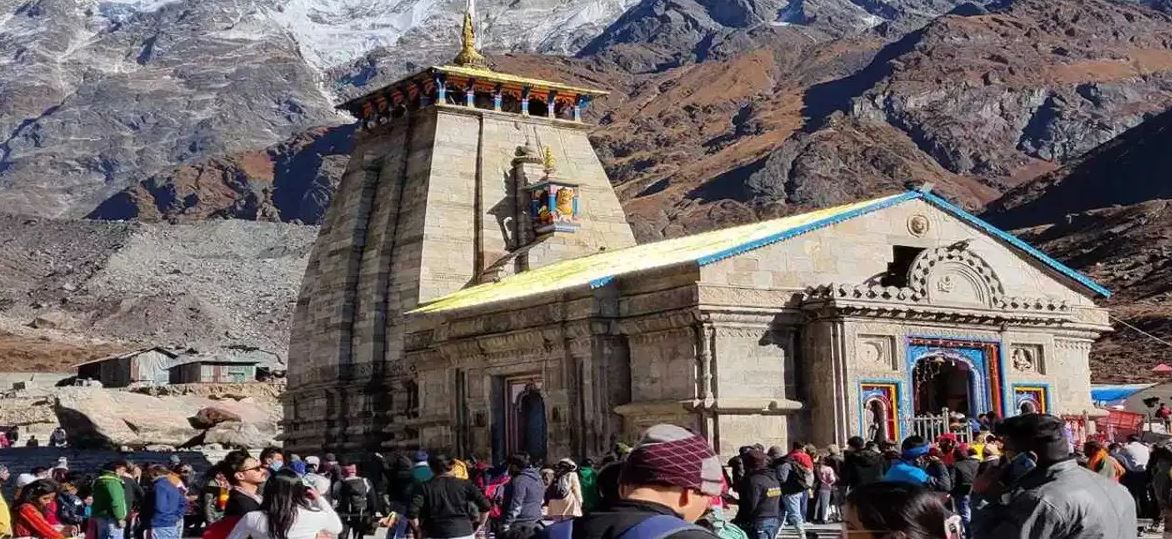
[
  {"x": 599, "y": 269},
  {"x": 482, "y": 76}
]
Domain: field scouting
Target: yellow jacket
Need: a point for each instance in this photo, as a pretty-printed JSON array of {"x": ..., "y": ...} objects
[
  {"x": 460, "y": 469},
  {"x": 5, "y": 519}
]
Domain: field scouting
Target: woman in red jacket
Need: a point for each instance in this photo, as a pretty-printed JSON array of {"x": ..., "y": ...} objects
[{"x": 29, "y": 518}]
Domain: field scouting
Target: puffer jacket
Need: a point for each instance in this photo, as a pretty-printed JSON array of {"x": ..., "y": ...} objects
[
  {"x": 1061, "y": 501},
  {"x": 524, "y": 496}
]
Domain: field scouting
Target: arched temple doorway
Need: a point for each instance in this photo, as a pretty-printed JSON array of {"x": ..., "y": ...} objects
[
  {"x": 521, "y": 423},
  {"x": 942, "y": 382}
]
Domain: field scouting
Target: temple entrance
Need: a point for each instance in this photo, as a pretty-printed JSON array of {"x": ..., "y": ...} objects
[
  {"x": 943, "y": 389},
  {"x": 519, "y": 422},
  {"x": 942, "y": 383}
]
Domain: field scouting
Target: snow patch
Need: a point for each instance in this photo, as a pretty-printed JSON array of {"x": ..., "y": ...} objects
[
  {"x": 120, "y": 10},
  {"x": 332, "y": 32}
]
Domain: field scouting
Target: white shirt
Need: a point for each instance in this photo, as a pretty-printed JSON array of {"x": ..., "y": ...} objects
[
  {"x": 320, "y": 483},
  {"x": 1138, "y": 454},
  {"x": 306, "y": 524}
]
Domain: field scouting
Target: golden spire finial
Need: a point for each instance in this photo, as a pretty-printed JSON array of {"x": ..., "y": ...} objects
[
  {"x": 548, "y": 160},
  {"x": 469, "y": 56}
]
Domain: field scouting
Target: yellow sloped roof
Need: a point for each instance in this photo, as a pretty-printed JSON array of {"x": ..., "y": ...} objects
[{"x": 598, "y": 269}]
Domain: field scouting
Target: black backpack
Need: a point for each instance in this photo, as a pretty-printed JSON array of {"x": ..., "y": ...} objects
[
  {"x": 352, "y": 496},
  {"x": 556, "y": 490}
]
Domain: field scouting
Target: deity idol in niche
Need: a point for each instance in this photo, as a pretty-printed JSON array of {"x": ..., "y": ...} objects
[{"x": 564, "y": 203}]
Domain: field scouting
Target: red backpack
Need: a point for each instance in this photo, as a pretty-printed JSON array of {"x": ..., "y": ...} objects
[{"x": 495, "y": 492}]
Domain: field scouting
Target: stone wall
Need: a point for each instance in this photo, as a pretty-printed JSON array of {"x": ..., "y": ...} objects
[{"x": 423, "y": 209}]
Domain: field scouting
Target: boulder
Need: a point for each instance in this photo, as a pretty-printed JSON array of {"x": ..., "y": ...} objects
[
  {"x": 237, "y": 435},
  {"x": 107, "y": 419},
  {"x": 212, "y": 416},
  {"x": 110, "y": 418}
]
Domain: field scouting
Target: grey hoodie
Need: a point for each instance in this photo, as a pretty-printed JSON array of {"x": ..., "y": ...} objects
[{"x": 524, "y": 496}]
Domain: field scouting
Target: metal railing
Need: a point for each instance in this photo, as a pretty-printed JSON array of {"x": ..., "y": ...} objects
[{"x": 931, "y": 426}]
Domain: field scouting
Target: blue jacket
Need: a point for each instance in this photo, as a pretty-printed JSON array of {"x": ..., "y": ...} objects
[
  {"x": 170, "y": 504},
  {"x": 906, "y": 472},
  {"x": 524, "y": 496}
]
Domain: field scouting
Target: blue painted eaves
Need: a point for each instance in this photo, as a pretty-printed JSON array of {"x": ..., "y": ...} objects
[
  {"x": 987, "y": 228},
  {"x": 797, "y": 231}
]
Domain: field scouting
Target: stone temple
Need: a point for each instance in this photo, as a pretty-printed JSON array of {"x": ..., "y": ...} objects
[{"x": 475, "y": 286}]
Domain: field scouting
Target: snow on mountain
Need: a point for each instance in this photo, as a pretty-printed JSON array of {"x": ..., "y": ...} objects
[
  {"x": 332, "y": 32},
  {"x": 121, "y": 10},
  {"x": 335, "y": 32}
]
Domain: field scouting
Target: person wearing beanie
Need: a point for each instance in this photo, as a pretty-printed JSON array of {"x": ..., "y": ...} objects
[
  {"x": 760, "y": 497},
  {"x": 421, "y": 471},
  {"x": 665, "y": 485},
  {"x": 910, "y": 466},
  {"x": 1039, "y": 490}
]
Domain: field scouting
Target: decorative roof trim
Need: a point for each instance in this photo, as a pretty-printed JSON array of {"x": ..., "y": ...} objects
[
  {"x": 835, "y": 219},
  {"x": 991, "y": 230}
]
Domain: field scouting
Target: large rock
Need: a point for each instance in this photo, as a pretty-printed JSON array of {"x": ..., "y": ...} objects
[
  {"x": 104, "y": 418},
  {"x": 234, "y": 434},
  {"x": 100, "y": 418},
  {"x": 212, "y": 416}
]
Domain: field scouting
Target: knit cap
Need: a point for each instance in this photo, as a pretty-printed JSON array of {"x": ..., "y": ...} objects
[{"x": 672, "y": 455}]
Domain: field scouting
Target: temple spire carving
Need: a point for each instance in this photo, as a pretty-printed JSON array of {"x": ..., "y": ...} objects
[{"x": 468, "y": 55}]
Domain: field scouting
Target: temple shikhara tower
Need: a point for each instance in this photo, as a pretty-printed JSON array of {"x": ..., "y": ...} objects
[{"x": 475, "y": 286}]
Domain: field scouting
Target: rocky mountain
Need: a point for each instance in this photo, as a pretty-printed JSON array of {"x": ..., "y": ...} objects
[
  {"x": 1109, "y": 214},
  {"x": 100, "y": 95},
  {"x": 721, "y": 111}
]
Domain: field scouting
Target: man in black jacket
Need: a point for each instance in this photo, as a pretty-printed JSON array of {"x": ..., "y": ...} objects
[
  {"x": 861, "y": 466},
  {"x": 760, "y": 497},
  {"x": 964, "y": 472},
  {"x": 666, "y": 484},
  {"x": 441, "y": 507}
]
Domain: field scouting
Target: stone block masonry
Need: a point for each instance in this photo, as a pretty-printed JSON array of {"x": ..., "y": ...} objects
[{"x": 424, "y": 209}]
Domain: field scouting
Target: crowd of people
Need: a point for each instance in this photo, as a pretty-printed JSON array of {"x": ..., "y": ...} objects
[{"x": 1020, "y": 479}]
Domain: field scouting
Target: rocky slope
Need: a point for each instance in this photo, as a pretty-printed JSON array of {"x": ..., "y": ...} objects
[
  {"x": 1109, "y": 214},
  {"x": 720, "y": 112},
  {"x": 89, "y": 288}
]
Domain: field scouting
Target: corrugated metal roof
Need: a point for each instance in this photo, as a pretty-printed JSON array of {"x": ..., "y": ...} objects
[
  {"x": 599, "y": 269},
  {"x": 132, "y": 353}
]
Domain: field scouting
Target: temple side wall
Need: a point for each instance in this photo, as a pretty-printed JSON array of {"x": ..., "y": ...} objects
[{"x": 350, "y": 304}]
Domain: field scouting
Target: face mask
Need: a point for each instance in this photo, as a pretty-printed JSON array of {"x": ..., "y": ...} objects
[{"x": 276, "y": 465}]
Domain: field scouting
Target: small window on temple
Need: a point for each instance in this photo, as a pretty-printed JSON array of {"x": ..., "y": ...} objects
[{"x": 902, "y": 257}]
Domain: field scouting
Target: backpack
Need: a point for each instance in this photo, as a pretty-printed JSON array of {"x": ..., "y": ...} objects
[
  {"x": 799, "y": 479},
  {"x": 826, "y": 476},
  {"x": 352, "y": 496},
  {"x": 556, "y": 490},
  {"x": 656, "y": 527},
  {"x": 722, "y": 527},
  {"x": 495, "y": 492}
]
